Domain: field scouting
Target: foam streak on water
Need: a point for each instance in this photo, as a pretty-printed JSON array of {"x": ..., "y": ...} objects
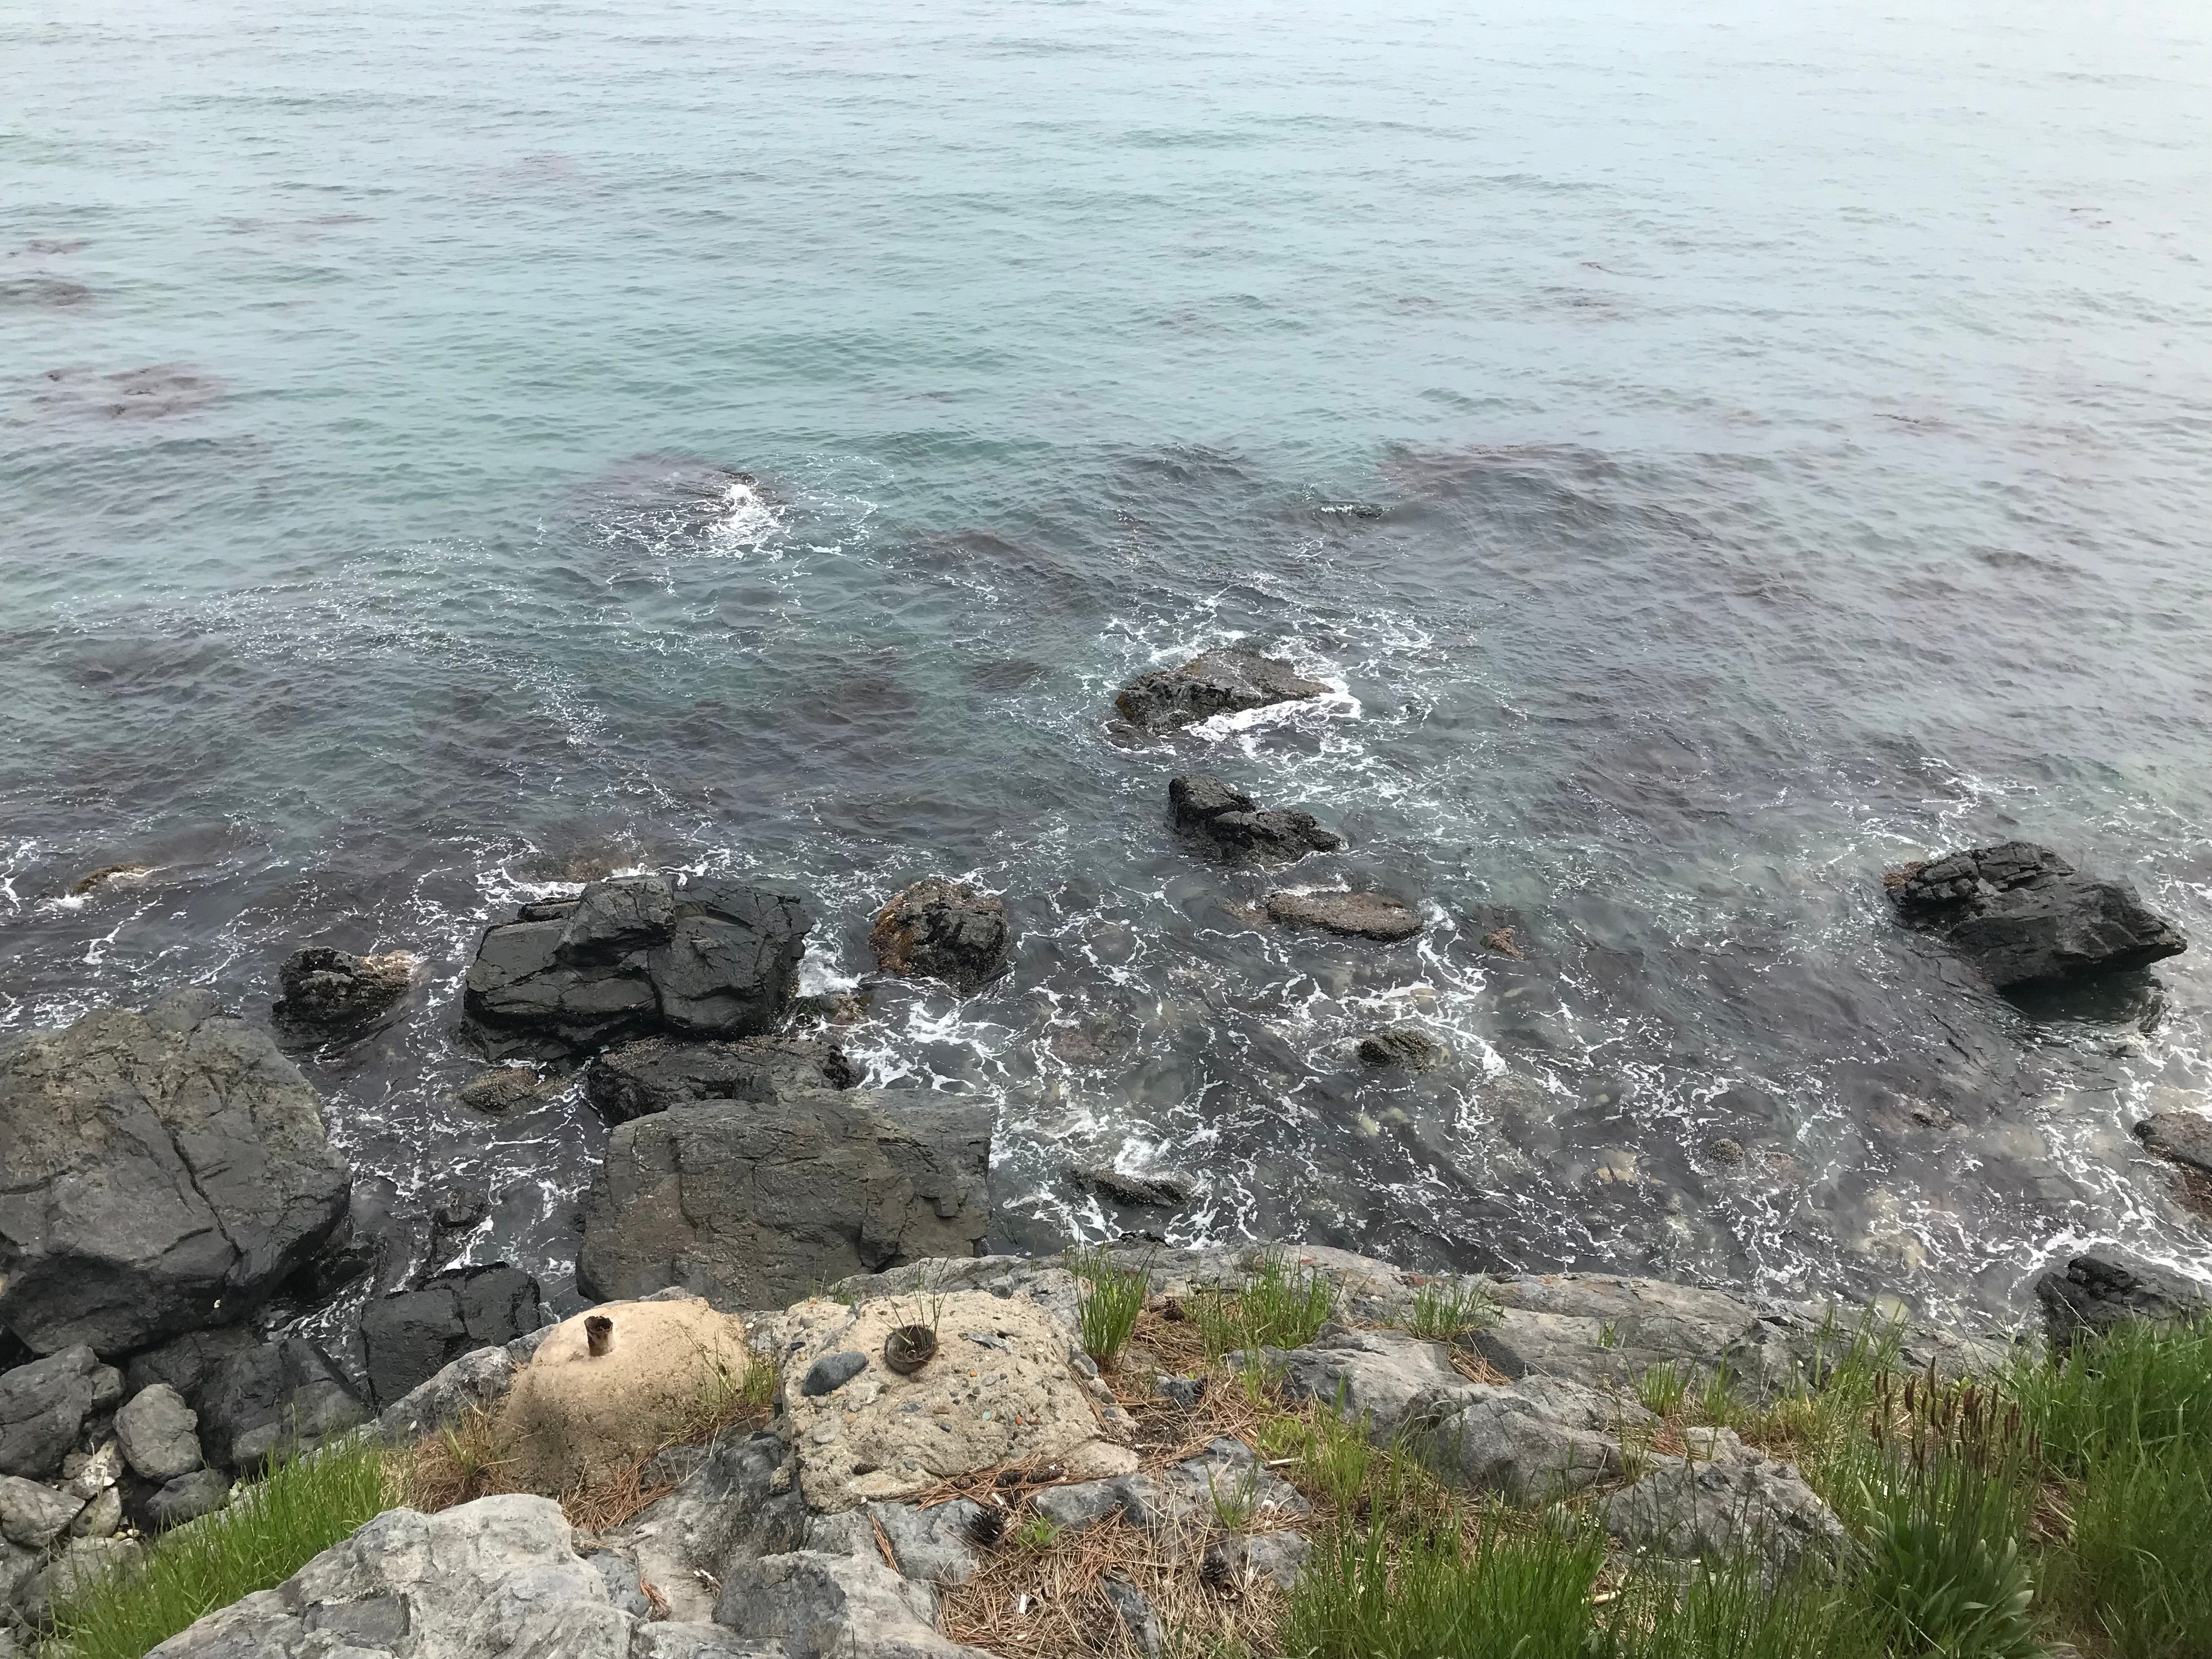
[{"x": 1710, "y": 453}]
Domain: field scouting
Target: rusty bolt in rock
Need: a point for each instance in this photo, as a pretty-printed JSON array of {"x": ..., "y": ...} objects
[{"x": 599, "y": 1334}]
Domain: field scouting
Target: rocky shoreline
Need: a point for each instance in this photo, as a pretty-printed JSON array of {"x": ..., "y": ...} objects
[{"x": 174, "y": 1199}]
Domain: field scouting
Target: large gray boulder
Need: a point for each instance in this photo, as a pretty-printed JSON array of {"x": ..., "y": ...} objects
[
  {"x": 1710, "y": 1510},
  {"x": 159, "y": 1433},
  {"x": 640, "y": 1078},
  {"x": 753, "y": 1204},
  {"x": 636, "y": 956},
  {"x": 819, "y": 1606},
  {"x": 407, "y": 1338},
  {"x": 165, "y": 1169},
  {"x": 2024, "y": 916},
  {"x": 498, "y": 1577},
  {"x": 1225, "y": 681},
  {"x": 33, "y": 1515},
  {"x": 43, "y": 1406}
]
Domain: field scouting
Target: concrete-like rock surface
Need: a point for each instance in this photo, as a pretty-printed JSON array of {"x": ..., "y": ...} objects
[
  {"x": 753, "y": 1204},
  {"x": 1000, "y": 1390},
  {"x": 164, "y": 1168}
]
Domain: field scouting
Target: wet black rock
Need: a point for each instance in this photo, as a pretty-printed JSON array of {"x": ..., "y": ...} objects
[
  {"x": 165, "y": 1169},
  {"x": 2100, "y": 1289},
  {"x": 274, "y": 1396},
  {"x": 2183, "y": 1137},
  {"x": 640, "y": 1078},
  {"x": 408, "y": 1338},
  {"x": 1218, "y": 683},
  {"x": 1203, "y": 805},
  {"x": 637, "y": 957},
  {"x": 1358, "y": 916},
  {"x": 44, "y": 1405},
  {"x": 2024, "y": 916},
  {"x": 945, "y": 931},
  {"x": 1405, "y": 1046},
  {"x": 832, "y": 1372},
  {"x": 328, "y": 990},
  {"x": 752, "y": 1205},
  {"x": 185, "y": 1363},
  {"x": 1162, "y": 1190}
]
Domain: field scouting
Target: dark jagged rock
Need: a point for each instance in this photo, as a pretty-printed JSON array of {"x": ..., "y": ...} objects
[
  {"x": 752, "y": 1205},
  {"x": 408, "y": 1338},
  {"x": 185, "y": 1499},
  {"x": 640, "y": 1078},
  {"x": 44, "y": 1404},
  {"x": 1203, "y": 805},
  {"x": 1358, "y": 915},
  {"x": 637, "y": 957},
  {"x": 185, "y": 1363},
  {"x": 1217, "y": 683},
  {"x": 1405, "y": 1046},
  {"x": 272, "y": 1396},
  {"x": 1163, "y": 1190},
  {"x": 548, "y": 910},
  {"x": 328, "y": 990},
  {"x": 945, "y": 931},
  {"x": 2024, "y": 916},
  {"x": 164, "y": 1170},
  {"x": 2183, "y": 1137},
  {"x": 2100, "y": 1289}
]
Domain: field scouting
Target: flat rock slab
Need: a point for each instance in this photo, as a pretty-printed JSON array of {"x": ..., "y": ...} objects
[
  {"x": 164, "y": 1170},
  {"x": 2023, "y": 915},
  {"x": 1000, "y": 1390},
  {"x": 1225, "y": 681},
  {"x": 755, "y": 1204},
  {"x": 1357, "y": 916},
  {"x": 499, "y": 1576}
]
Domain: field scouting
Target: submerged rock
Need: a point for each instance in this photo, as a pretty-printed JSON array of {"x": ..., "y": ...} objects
[
  {"x": 328, "y": 990},
  {"x": 1357, "y": 916},
  {"x": 2100, "y": 1289},
  {"x": 2024, "y": 916},
  {"x": 753, "y": 1204},
  {"x": 2185, "y": 1137},
  {"x": 1405, "y": 1046},
  {"x": 640, "y": 1078},
  {"x": 1217, "y": 812},
  {"x": 164, "y": 1170},
  {"x": 945, "y": 931},
  {"x": 1222, "y": 681},
  {"x": 502, "y": 1089},
  {"x": 1162, "y": 1190},
  {"x": 638, "y": 956}
]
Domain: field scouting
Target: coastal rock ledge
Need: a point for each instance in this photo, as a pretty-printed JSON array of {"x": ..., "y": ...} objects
[{"x": 2023, "y": 915}]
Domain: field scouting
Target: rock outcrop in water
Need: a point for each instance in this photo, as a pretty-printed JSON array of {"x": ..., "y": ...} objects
[
  {"x": 1225, "y": 681},
  {"x": 944, "y": 930},
  {"x": 165, "y": 1170},
  {"x": 328, "y": 992},
  {"x": 642, "y": 1078},
  {"x": 2099, "y": 1289},
  {"x": 1355, "y": 915},
  {"x": 2023, "y": 915},
  {"x": 2183, "y": 1138},
  {"x": 1233, "y": 824},
  {"x": 636, "y": 956},
  {"x": 752, "y": 1204}
]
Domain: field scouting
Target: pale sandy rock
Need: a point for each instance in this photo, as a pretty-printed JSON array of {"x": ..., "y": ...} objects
[
  {"x": 570, "y": 1417},
  {"x": 1000, "y": 1390}
]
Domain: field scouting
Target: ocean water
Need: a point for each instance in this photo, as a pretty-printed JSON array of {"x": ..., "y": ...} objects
[{"x": 1716, "y": 451}]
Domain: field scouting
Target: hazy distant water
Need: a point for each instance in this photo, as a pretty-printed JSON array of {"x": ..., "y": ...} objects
[{"x": 1719, "y": 450}]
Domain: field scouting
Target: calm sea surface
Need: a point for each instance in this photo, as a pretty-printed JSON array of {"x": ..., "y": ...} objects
[{"x": 1718, "y": 450}]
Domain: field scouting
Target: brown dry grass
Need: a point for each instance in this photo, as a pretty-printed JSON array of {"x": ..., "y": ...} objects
[{"x": 471, "y": 1459}]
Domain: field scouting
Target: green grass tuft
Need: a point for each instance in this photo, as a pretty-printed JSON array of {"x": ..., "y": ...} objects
[
  {"x": 1445, "y": 1308},
  {"x": 1279, "y": 1306},
  {"x": 1110, "y": 1298},
  {"x": 271, "y": 1529}
]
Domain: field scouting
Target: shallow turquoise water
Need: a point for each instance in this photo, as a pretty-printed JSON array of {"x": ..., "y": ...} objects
[{"x": 1779, "y": 446}]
